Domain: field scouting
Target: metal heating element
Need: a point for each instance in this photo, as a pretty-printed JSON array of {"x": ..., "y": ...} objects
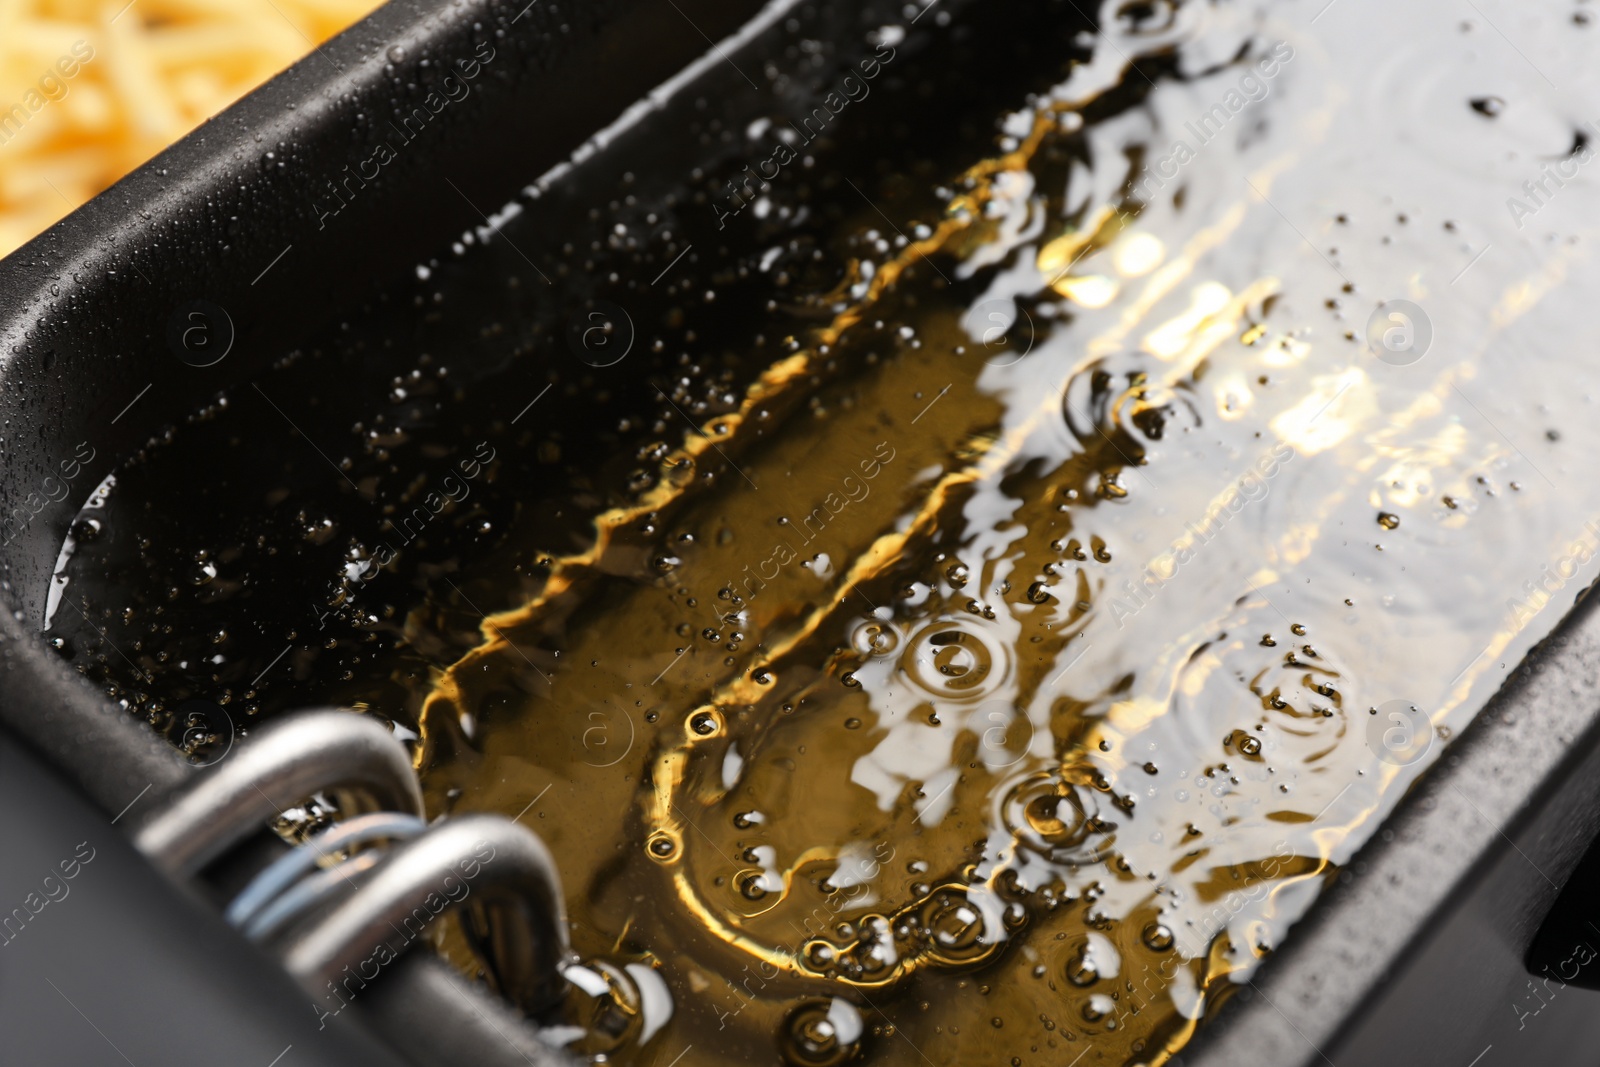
[{"x": 341, "y": 909}]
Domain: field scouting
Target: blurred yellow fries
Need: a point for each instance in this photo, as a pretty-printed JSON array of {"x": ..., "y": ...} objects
[{"x": 89, "y": 89}]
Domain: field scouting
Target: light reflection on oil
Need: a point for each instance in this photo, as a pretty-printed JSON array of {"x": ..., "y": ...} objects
[{"x": 1026, "y": 696}]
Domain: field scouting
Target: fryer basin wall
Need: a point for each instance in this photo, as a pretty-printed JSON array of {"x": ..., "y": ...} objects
[
  {"x": 238, "y": 214},
  {"x": 1416, "y": 954}
]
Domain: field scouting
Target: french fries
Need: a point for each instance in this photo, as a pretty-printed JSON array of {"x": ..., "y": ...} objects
[{"x": 90, "y": 89}]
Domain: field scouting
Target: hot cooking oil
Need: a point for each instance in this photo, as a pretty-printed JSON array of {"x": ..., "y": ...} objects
[{"x": 1000, "y": 592}]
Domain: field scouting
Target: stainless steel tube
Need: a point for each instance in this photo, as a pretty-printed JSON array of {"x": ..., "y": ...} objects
[
  {"x": 325, "y": 750},
  {"x": 498, "y": 870}
]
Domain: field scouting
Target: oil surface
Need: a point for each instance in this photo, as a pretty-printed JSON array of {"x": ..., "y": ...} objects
[{"x": 1025, "y": 551}]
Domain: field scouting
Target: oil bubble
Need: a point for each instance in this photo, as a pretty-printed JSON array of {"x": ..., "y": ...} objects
[
  {"x": 956, "y": 660},
  {"x": 823, "y": 1032}
]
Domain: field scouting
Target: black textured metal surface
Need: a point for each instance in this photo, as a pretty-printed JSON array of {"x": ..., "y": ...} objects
[
  {"x": 244, "y": 213},
  {"x": 1415, "y": 955}
]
